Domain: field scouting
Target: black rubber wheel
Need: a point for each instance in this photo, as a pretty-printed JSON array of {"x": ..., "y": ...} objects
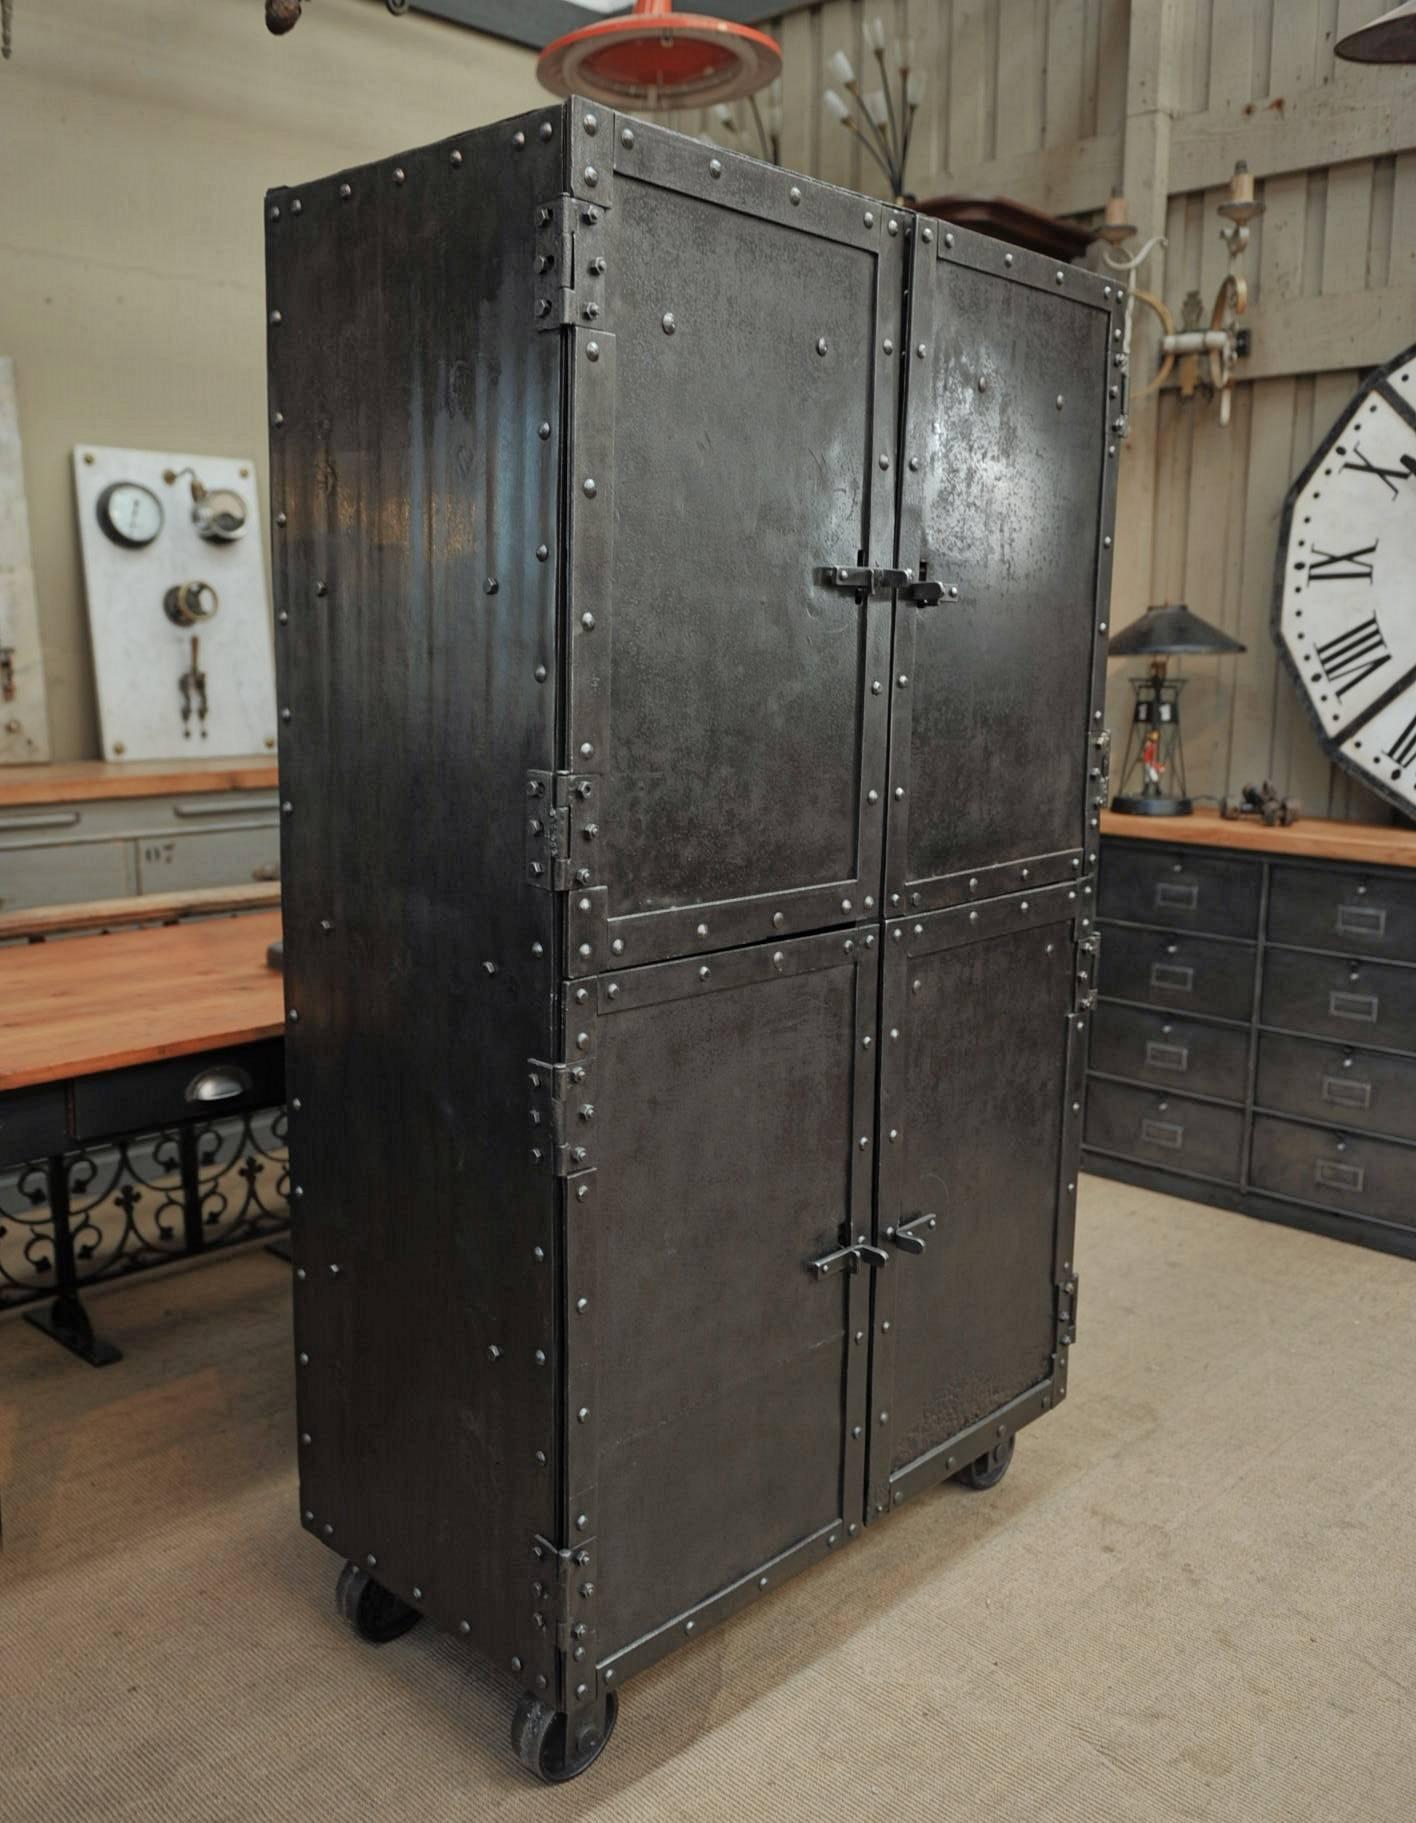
[
  {"x": 372, "y": 1611},
  {"x": 987, "y": 1471},
  {"x": 538, "y": 1739}
]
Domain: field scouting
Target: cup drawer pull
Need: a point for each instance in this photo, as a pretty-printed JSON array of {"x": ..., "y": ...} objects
[
  {"x": 1173, "y": 895},
  {"x": 1346, "y": 1093},
  {"x": 1361, "y": 921},
  {"x": 1330, "y": 1175},
  {"x": 224, "y": 1083},
  {"x": 1163, "y": 1133},
  {"x": 1175, "y": 977},
  {"x": 1167, "y": 1056},
  {"x": 1353, "y": 1006}
]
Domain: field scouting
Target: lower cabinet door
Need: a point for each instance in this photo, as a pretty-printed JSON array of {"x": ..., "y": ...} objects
[
  {"x": 716, "y": 1368},
  {"x": 976, "y": 1125}
]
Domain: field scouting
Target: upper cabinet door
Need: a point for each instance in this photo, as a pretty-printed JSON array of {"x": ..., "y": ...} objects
[
  {"x": 732, "y": 388},
  {"x": 1009, "y": 466}
]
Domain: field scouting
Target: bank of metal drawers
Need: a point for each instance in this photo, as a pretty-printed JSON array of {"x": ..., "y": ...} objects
[{"x": 1255, "y": 1040}]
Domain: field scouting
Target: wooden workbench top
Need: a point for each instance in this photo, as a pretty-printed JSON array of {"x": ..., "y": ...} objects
[
  {"x": 1320, "y": 838},
  {"x": 75, "y": 781},
  {"x": 102, "y": 1003}
]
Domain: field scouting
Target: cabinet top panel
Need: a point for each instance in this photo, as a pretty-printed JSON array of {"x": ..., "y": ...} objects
[{"x": 1321, "y": 838}]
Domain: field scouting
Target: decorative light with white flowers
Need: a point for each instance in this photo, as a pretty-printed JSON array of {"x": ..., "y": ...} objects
[{"x": 883, "y": 118}]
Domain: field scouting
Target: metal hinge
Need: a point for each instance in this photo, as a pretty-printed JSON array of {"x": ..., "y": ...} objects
[
  {"x": 562, "y": 1116},
  {"x": 563, "y": 1606},
  {"x": 1085, "y": 979},
  {"x": 550, "y": 799},
  {"x": 569, "y": 267},
  {"x": 1066, "y": 1294}
]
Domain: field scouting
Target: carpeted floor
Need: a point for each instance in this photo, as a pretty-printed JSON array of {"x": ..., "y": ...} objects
[{"x": 1194, "y": 1597}]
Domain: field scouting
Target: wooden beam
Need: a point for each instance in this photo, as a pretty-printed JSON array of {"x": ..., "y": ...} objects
[
  {"x": 1295, "y": 133},
  {"x": 1299, "y": 335}
]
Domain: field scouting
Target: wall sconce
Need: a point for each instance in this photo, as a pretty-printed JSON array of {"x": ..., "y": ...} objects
[
  {"x": 885, "y": 125},
  {"x": 1217, "y": 347}
]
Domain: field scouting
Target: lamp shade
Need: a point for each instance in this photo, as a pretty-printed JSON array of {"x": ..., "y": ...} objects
[
  {"x": 654, "y": 58},
  {"x": 1390, "y": 39},
  {"x": 1169, "y": 630}
]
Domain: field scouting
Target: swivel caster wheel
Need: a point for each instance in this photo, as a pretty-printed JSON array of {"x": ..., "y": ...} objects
[
  {"x": 988, "y": 1470},
  {"x": 539, "y": 1738},
  {"x": 374, "y": 1612}
]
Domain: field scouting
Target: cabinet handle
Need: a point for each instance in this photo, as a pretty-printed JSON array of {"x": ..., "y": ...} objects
[
  {"x": 1346, "y": 1093},
  {"x": 1330, "y": 1175},
  {"x": 1167, "y": 1056},
  {"x": 1170, "y": 895},
  {"x": 1353, "y": 1006},
  {"x": 1163, "y": 1133},
  {"x": 224, "y": 1083},
  {"x": 218, "y": 806},
  {"x": 48, "y": 819},
  {"x": 1175, "y": 977},
  {"x": 1361, "y": 921}
]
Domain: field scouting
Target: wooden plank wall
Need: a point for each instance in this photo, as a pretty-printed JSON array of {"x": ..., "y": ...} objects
[{"x": 1029, "y": 98}]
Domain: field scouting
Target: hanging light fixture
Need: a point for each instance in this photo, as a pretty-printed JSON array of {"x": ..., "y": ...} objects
[
  {"x": 654, "y": 59},
  {"x": 1390, "y": 39}
]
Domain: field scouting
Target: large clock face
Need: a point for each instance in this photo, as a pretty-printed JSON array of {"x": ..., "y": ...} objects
[{"x": 1346, "y": 592}]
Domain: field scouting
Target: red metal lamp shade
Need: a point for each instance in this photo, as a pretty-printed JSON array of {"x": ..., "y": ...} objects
[{"x": 654, "y": 59}]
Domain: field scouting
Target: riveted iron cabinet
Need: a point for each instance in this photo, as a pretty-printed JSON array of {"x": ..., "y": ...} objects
[{"x": 687, "y": 584}]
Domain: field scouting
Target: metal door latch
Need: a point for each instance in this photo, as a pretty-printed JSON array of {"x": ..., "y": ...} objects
[
  {"x": 906, "y": 1236},
  {"x": 862, "y": 582},
  {"x": 846, "y": 1259}
]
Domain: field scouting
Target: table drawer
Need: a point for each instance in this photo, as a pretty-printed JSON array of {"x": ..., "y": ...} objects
[
  {"x": 1172, "y": 1053},
  {"x": 33, "y": 1123},
  {"x": 1367, "y": 1003},
  {"x": 216, "y": 857},
  {"x": 1336, "y": 1170},
  {"x": 1189, "y": 974},
  {"x": 1338, "y": 1085},
  {"x": 64, "y": 876},
  {"x": 1165, "y": 1130},
  {"x": 1357, "y": 914},
  {"x": 1180, "y": 890},
  {"x": 180, "y": 1089}
]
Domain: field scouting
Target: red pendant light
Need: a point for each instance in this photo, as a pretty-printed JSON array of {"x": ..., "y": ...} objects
[{"x": 654, "y": 59}]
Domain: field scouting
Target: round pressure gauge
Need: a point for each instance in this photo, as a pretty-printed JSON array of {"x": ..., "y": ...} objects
[{"x": 130, "y": 514}]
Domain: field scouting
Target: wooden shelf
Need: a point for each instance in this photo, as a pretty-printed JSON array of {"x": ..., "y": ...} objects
[
  {"x": 1364, "y": 844},
  {"x": 74, "y": 781}
]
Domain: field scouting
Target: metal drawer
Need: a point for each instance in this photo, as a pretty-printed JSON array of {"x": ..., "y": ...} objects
[
  {"x": 1361, "y": 914},
  {"x": 65, "y": 876},
  {"x": 1180, "y": 890},
  {"x": 179, "y": 1089},
  {"x": 1335, "y": 1170},
  {"x": 1165, "y": 1130},
  {"x": 1190, "y": 974},
  {"x": 1172, "y": 1053},
  {"x": 1337, "y": 1084},
  {"x": 1368, "y": 1003},
  {"x": 32, "y": 1123},
  {"x": 217, "y": 857}
]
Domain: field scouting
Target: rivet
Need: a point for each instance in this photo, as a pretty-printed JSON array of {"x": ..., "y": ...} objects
[
  {"x": 345, "y": 192},
  {"x": 543, "y": 430},
  {"x": 285, "y": 715},
  {"x": 588, "y": 488},
  {"x": 547, "y": 130},
  {"x": 543, "y": 551},
  {"x": 701, "y": 930},
  {"x": 292, "y": 1015},
  {"x": 794, "y": 195},
  {"x": 583, "y": 1414},
  {"x": 587, "y": 749},
  {"x": 286, "y": 808},
  {"x": 296, "y": 207},
  {"x": 627, "y": 139},
  {"x": 948, "y": 240},
  {"x": 884, "y": 1417},
  {"x": 398, "y": 174},
  {"x": 884, "y": 460},
  {"x": 892, "y": 226},
  {"x": 666, "y": 322},
  {"x": 592, "y": 176},
  {"x": 518, "y": 140},
  {"x": 280, "y": 519},
  {"x": 455, "y": 159},
  {"x": 491, "y": 585},
  {"x": 1059, "y": 275},
  {"x": 870, "y": 218},
  {"x": 902, "y": 681},
  {"x": 1059, "y": 401},
  {"x": 872, "y": 796},
  {"x": 715, "y": 167},
  {"x": 305, "y": 1437},
  {"x": 926, "y": 235},
  {"x": 585, "y": 951},
  {"x": 1106, "y": 542},
  {"x": 276, "y": 318},
  {"x": 899, "y": 793},
  {"x": 300, "y": 1272},
  {"x": 888, "y": 346},
  {"x": 539, "y": 1357},
  {"x": 372, "y": 1561},
  {"x": 617, "y": 947},
  {"x": 588, "y": 622},
  {"x": 592, "y": 125},
  {"x": 328, "y": 1530},
  {"x": 275, "y": 212},
  {"x": 277, "y": 419},
  {"x": 592, "y": 351},
  {"x": 919, "y": 351},
  {"x": 875, "y": 687},
  {"x": 464, "y": 1626},
  {"x": 704, "y": 972},
  {"x": 762, "y": 1582},
  {"x": 1007, "y": 259},
  {"x": 821, "y": 344},
  {"x": 914, "y": 465},
  {"x": 778, "y": 920}
]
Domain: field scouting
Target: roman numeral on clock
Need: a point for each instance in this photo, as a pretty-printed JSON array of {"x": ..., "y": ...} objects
[
  {"x": 1363, "y": 465},
  {"x": 1353, "y": 655},
  {"x": 1403, "y": 748},
  {"x": 1341, "y": 566}
]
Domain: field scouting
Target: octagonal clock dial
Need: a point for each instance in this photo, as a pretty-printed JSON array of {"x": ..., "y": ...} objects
[{"x": 1346, "y": 587}]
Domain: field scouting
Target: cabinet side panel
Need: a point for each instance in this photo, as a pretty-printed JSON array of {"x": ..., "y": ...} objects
[{"x": 415, "y": 454}]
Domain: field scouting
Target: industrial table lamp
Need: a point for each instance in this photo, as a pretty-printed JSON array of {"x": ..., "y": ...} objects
[{"x": 1153, "y": 776}]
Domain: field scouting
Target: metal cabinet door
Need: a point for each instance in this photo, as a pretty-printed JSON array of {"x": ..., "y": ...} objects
[
  {"x": 716, "y": 1382},
  {"x": 1007, "y": 495},
  {"x": 733, "y": 414},
  {"x": 979, "y": 1136}
]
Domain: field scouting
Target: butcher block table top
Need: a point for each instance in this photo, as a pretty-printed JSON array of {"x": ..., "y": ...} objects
[
  {"x": 86, "y": 781},
  {"x": 1320, "y": 838},
  {"x": 104, "y": 1003}
]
